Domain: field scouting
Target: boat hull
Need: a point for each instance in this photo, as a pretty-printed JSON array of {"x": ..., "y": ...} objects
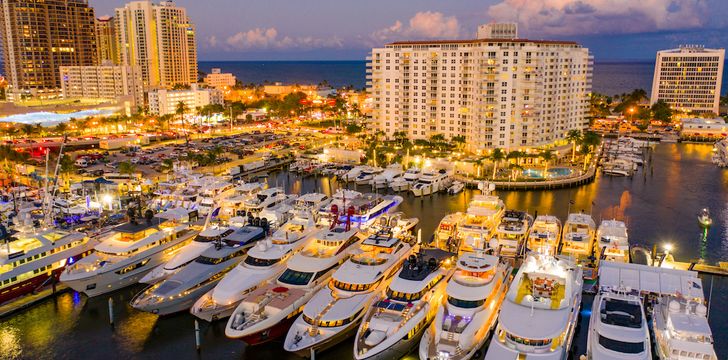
[
  {"x": 274, "y": 332},
  {"x": 330, "y": 342},
  {"x": 398, "y": 350}
]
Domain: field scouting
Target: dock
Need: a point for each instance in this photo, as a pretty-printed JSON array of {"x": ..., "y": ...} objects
[
  {"x": 29, "y": 300},
  {"x": 706, "y": 269},
  {"x": 563, "y": 183}
]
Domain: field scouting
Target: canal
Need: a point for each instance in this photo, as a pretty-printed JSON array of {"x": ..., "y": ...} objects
[{"x": 660, "y": 205}]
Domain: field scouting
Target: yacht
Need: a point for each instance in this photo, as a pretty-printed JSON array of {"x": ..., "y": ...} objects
[
  {"x": 364, "y": 210},
  {"x": 264, "y": 199},
  {"x": 618, "y": 326},
  {"x": 264, "y": 262},
  {"x": 510, "y": 234},
  {"x": 539, "y": 315},
  {"x": 456, "y": 187},
  {"x": 386, "y": 177},
  {"x": 335, "y": 311},
  {"x": 469, "y": 311},
  {"x": 680, "y": 326},
  {"x": 446, "y": 234},
  {"x": 212, "y": 193},
  {"x": 329, "y": 212},
  {"x": 545, "y": 234},
  {"x": 612, "y": 241},
  {"x": 29, "y": 260},
  {"x": 233, "y": 205},
  {"x": 430, "y": 183},
  {"x": 577, "y": 241},
  {"x": 483, "y": 215},
  {"x": 128, "y": 251},
  {"x": 278, "y": 214},
  {"x": 407, "y": 179},
  {"x": 267, "y": 312},
  {"x": 352, "y": 174},
  {"x": 396, "y": 222},
  {"x": 367, "y": 175},
  {"x": 179, "y": 291},
  {"x": 396, "y": 321}
]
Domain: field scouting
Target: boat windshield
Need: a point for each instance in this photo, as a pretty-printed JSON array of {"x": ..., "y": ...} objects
[
  {"x": 253, "y": 261},
  {"x": 293, "y": 277},
  {"x": 621, "y": 313},
  {"x": 621, "y": 346},
  {"x": 465, "y": 304}
]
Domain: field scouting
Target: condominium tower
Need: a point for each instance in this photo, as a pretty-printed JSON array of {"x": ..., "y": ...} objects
[
  {"x": 496, "y": 92},
  {"x": 689, "y": 78},
  {"x": 106, "y": 40},
  {"x": 160, "y": 39},
  {"x": 38, "y": 37}
]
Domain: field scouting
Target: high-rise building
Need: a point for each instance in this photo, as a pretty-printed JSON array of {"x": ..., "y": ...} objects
[
  {"x": 38, "y": 37},
  {"x": 689, "y": 78},
  {"x": 497, "y": 93},
  {"x": 160, "y": 39},
  {"x": 108, "y": 81},
  {"x": 106, "y": 40}
]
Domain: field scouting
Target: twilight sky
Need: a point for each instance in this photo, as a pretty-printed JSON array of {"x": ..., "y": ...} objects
[{"x": 348, "y": 29}]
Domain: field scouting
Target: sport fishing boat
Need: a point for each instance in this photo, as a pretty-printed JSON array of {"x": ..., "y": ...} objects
[
  {"x": 264, "y": 262},
  {"x": 510, "y": 234},
  {"x": 179, "y": 291},
  {"x": 704, "y": 218},
  {"x": 394, "y": 325},
  {"x": 467, "y": 315},
  {"x": 545, "y": 234},
  {"x": 539, "y": 316},
  {"x": 680, "y": 326},
  {"x": 386, "y": 177},
  {"x": 367, "y": 175},
  {"x": 29, "y": 260},
  {"x": 430, "y": 182},
  {"x": 264, "y": 199},
  {"x": 335, "y": 311},
  {"x": 352, "y": 174},
  {"x": 618, "y": 326},
  {"x": 129, "y": 251},
  {"x": 268, "y": 311},
  {"x": 612, "y": 241},
  {"x": 577, "y": 241},
  {"x": 483, "y": 215},
  {"x": 407, "y": 180},
  {"x": 456, "y": 187},
  {"x": 446, "y": 234}
]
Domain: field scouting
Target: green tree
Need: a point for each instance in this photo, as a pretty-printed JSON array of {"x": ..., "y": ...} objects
[
  {"x": 181, "y": 110},
  {"x": 459, "y": 141},
  {"x": 661, "y": 111},
  {"x": 547, "y": 156},
  {"x": 438, "y": 141},
  {"x": 27, "y": 129},
  {"x": 573, "y": 136},
  {"x": 496, "y": 156},
  {"x": 66, "y": 167}
]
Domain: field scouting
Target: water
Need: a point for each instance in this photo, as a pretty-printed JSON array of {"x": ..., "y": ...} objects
[
  {"x": 661, "y": 208},
  {"x": 609, "y": 77}
]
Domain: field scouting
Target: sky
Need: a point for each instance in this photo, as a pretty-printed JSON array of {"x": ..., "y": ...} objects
[{"x": 348, "y": 29}]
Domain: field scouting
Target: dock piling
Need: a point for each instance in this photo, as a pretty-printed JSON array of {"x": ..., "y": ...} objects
[
  {"x": 313, "y": 353},
  {"x": 111, "y": 312},
  {"x": 197, "y": 335}
]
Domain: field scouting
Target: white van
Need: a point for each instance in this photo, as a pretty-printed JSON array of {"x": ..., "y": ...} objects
[{"x": 81, "y": 162}]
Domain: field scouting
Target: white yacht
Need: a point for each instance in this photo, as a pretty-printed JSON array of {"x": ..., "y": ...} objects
[
  {"x": 612, "y": 241},
  {"x": 469, "y": 311},
  {"x": 233, "y": 205},
  {"x": 386, "y": 177},
  {"x": 29, "y": 260},
  {"x": 577, "y": 241},
  {"x": 545, "y": 234},
  {"x": 367, "y": 175},
  {"x": 179, "y": 291},
  {"x": 618, "y": 326},
  {"x": 329, "y": 212},
  {"x": 264, "y": 199},
  {"x": 361, "y": 211},
  {"x": 483, "y": 215},
  {"x": 335, "y": 311},
  {"x": 446, "y": 234},
  {"x": 212, "y": 193},
  {"x": 264, "y": 262},
  {"x": 430, "y": 182},
  {"x": 278, "y": 214},
  {"x": 680, "y": 326},
  {"x": 128, "y": 251},
  {"x": 396, "y": 321},
  {"x": 539, "y": 315},
  {"x": 405, "y": 182},
  {"x": 268, "y": 311},
  {"x": 456, "y": 187},
  {"x": 352, "y": 174},
  {"x": 510, "y": 234}
]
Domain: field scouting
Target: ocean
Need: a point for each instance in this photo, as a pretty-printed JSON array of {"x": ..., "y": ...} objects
[{"x": 609, "y": 77}]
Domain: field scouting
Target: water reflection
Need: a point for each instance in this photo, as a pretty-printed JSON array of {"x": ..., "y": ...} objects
[{"x": 10, "y": 347}]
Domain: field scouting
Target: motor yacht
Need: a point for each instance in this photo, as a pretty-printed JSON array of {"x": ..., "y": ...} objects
[
  {"x": 233, "y": 205},
  {"x": 278, "y": 214},
  {"x": 539, "y": 315},
  {"x": 577, "y": 241},
  {"x": 264, "y": 262},
  {"x": 612, "y": 241},
  {"x": 128, "y": 251},
  {"x": 397, "y": 319},
  {"x": 212, "y": 193},
  {"x": 680, "y": 326},
  {"x": 510, "y": 234},
  {"x": 364, "y": 210},
  {"x": 268, "y": 311},
  {"x": 264, "y": 199},
  {"x": 456, "y": 187},
  {"x": 367, "y": 175},
  {"x": 468, "y": 313},
  {"x": 395, "y": 222},
  {"x": 179, "y": 291},
  {"x": 618, "y": 326},
  {"x": 329, "y": 212},
  {"x": 545, "y": 234},
  {"x": 335, "y": 311},
  {"x": 430, "y": 182},
  {"x": 483, "y": 215},
  {"x": 386, "y": 177},
  {"x": 446, "y": 235},
  {"x": 29, "y": 260},
  {"x": 352, "y": 174}
]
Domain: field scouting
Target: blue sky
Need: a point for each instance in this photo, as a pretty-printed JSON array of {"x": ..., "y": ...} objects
[{"x": 348, "y": 29}]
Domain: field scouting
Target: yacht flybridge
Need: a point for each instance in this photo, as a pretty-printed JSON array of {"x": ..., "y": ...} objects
[
  {"x": 545, "y": 235},
  {"x": 538, "y": 318},
  {"x": 469, "y": 310},
  {"x": 618, "y": 326},
  {"x": 430, "y": 182},
  {"x": 577, "y": 241},
  {"x": 612, "y": 241},
  {"x": 483, "y": 215},
  {"x": 510, "y": 234},
  {"x": 127, "y": 252},
  {"x": 335, "y": 311}
]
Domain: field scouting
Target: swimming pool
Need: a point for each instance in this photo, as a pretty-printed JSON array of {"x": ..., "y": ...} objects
[{"x": 556, "y": 172}]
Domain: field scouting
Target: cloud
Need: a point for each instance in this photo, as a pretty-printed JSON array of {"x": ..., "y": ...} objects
[
  {"x": 266, "y": 39},
  {"x": 423, "y": 25},
  {"x": 581, "y": 17}
]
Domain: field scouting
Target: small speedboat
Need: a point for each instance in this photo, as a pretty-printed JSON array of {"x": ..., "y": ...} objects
[
  {"x": 704, "y": 218},
  {"x": 456, "y": 187}
]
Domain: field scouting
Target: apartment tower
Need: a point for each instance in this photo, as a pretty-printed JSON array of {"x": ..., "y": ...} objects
[{"x": 106, "y": 40}]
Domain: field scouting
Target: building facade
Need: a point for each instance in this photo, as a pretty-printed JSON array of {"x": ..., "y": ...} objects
[
  {"x": 703, "y": 129},
  {"x": 108, "y": 81},
  {"x": 160, "y": 39},
  {"x": 497, "y": 93},
  {"x": 38, "y": 37},
  {"x": 163, "y": 101},
  {"x": 106, "y": 40},
  {"x": 219, "y": 80},
  {"x": 689, "y": 78}
]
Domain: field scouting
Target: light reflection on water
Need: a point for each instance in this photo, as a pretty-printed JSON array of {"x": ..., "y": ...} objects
[{"x": 10, "y": 347}]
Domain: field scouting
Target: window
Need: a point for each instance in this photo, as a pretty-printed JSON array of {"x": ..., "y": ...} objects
[
  {"x": 253, "y": 261},
  {"x": 293, "y": 277},
  {"x": 465, "y": 304},
  {"x": 621, "y": 346}
]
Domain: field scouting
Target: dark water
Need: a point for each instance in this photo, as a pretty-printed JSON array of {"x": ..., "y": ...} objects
[
  {"x": 609, "y": 77},
  {"x": 659, "y": 208}
]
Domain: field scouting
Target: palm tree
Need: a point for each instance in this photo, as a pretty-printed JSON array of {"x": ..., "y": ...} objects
[
  {"x": 167, "y": 165},
  {"x": 181, "y": 110},
  {"x": 27, "y": 129},
  {"x": 515, "y": 154},
  {"x": 67, "y": 167},
  {"x": 127, "y": 168},
  {"x": 573, "y": 136},
  {"x": 547, "y": 155},
  {"x": 497, "y": 156},
  {"x": 459, "y": 140},
  {"x": 39, "y": 129},
  {"x": 438, "y": 141},
  {"x": 61, "y": 129}
]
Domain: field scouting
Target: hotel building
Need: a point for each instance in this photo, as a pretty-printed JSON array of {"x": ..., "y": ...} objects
[
  {"x": 219, "y": 80},
  {"x": 160, "y": 40},
  {"x": 38, "y": 37},
  {"x": 689, "y": 78},
  {"x": 108, "y": 81},
  {"x": 163, "y": 101},
  {"x": 106, "y": 40},
  {"x": 496, "y": 92}
]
